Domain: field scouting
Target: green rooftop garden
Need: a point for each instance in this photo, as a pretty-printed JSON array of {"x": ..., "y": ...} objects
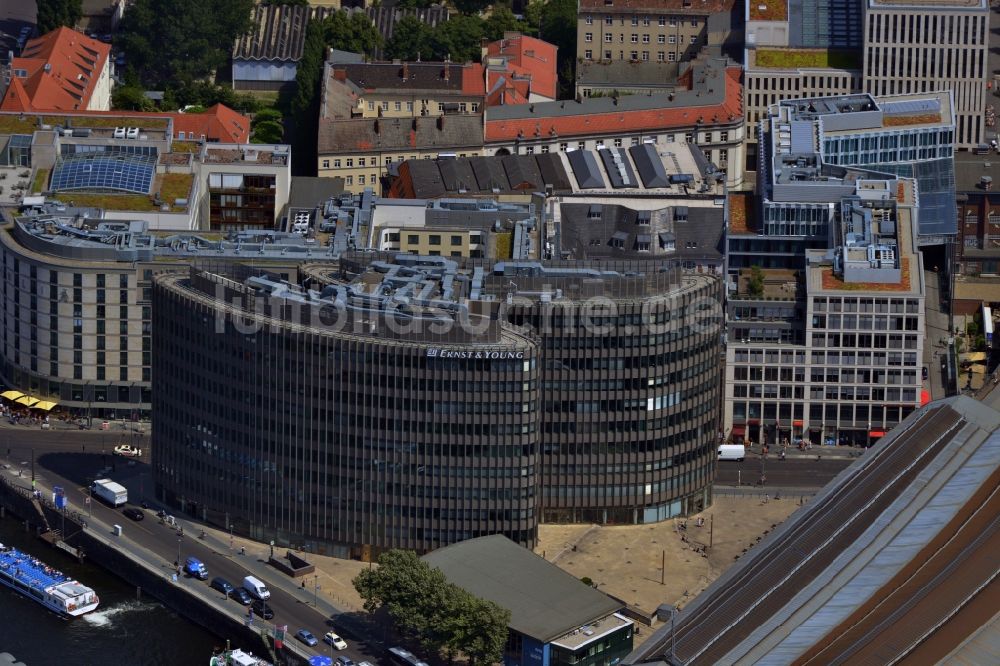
[
  {"x": 184, "y": 147},
  {"x": 41, "y": 180},
  {"x": 171, "y": 186},
  {"x": 145, "y": 122},
  {"x": 797, "y": 58},
  {"x": 14, "y": 124}
]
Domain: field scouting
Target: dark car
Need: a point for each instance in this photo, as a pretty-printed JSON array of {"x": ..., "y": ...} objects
[
  {"x": 924, "y": 373},
  {"x": 306, "y": 637},
  {"x": 240, "y": 595},
  {"x": 134, "y": 513},
  {"x": 222, "y": 585},
  {"x": 261, "y": 609}
]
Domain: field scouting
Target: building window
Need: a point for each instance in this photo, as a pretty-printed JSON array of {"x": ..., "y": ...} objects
[
  {"x": 645, "y": 56},
  {"x": 671, "y": 56},
  {"x": 673, "y": 21},
  {"x": 529, "y": 150},
  {"x": 607, "y": 55},
  {"x": 661, "y": 39},
  {"x": 635, "y": 20},
  {"x": 456, "y": 240},
  {"x": 398, "y": 106},
  {"x": 412, "y": 239},
  {"x": 694, "y": 23},
  {"x": 361, "y": 179},
  {"x": 371, "y": 106},
  {"x": 635, "y": 55},
  {"x": 385, "y": 106},
  {"x": 349, "y": 162},
  {"x": 545, "y": 148},
  {"x": 645, "y": 20},
  {"x": 326, "y": 164},
  {"x": 563, "y": 146},
  {"x": 409, "y": 106},
  {"x": 618, "y": 142},
  {"x": 694, "y": 39},
  {"x": 672, "y": 39},
  {"x": 609, "y": 20},
  {"x": 588, "y": 37},
  {"x": 662, "y": 21},
  {"x": 723, "y": 136},
  {"x": 589, "y": 20},
  {"x": 607, "y": 37},
  {"x": 434, "y": 239},
  {"x": 336, "y": 164},
  {"x": 635, "y": 38},
  {"x": 660, "y": 56},
  {"x": 581, "y": 145},
  {"x": 361, "y": 161},
  {"x": 588, "y": 54},
  {"x": 349, "y": 180},
  {"x": 645, "y": 39}
]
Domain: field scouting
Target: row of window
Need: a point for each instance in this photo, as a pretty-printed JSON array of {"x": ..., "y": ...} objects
[
  {"x": 463, "y": 107},
  {"x": 635, "y": 38},
  {"x": 662, "y": 21},
  {"x": 861, "y": 414},
  {"x": 661, "y": 56}
]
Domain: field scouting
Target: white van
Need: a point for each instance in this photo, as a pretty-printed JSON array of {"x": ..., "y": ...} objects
[
  {"x": 732, "y": 452},
  {"x": 256, "y": 588}
]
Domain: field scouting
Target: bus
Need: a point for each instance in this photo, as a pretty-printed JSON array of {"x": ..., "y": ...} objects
[
  {"x": 400, "y": 657},
  {"x": 988, "y": 325}
]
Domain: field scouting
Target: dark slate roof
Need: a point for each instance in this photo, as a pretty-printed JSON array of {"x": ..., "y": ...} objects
[
  {"x": 309, "y": 192},
  {"x": 553, "y": 172},
  {"x": 522, "y": 173},
  {"x": 697, "y": 231},
  {"x": 457, "y": 175},
  {"x": 424, "y": 76},
  {"x": 278, "y": 33},
  {"x": 628, "y": 74},
  {"x": 584, "y": 165},
  {"x": 423, "y": 133},
  {"x": 649, "y": 165},
  {"x": 544, "y": 601},
  {"x": 426, "y": 179},
  {"x": 489, "y": 174}
]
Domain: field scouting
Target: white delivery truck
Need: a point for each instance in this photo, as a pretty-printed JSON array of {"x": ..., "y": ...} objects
[
  {"x": 732, "y": 452},
  {"x": 256, "y": 588},
  {"x": 113, "y": 493}
]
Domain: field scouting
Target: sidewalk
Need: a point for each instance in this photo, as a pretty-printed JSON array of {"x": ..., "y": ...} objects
[{"x": 816, "y": 451}]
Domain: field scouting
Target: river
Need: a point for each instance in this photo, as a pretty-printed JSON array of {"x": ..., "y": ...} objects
[{"x": 123, "y": 630}]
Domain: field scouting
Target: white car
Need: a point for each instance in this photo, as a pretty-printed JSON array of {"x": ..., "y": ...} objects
[
  {"x": 128, "y": 451},
  {"x": 336, "y": 641}
]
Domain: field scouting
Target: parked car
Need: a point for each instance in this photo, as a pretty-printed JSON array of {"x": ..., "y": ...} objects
[
  {"x": 240, "y": 595},
  {"x": 305, "y": 636},
  {"x": 261, "y": 609},
  {"x": 336, "y": 641},
  {"x": 134, "y": 513},
  {"x": 222, "y": 585},
  {"x": 344, "y": 661},
  {"x": 128, "y": 451}
]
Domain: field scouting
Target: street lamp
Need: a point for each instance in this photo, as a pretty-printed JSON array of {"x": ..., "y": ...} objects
[
  {"x": 272, "y": 549},
  {"x": 230, "y": 536},
  {"x": 177, "y": 562},
  {"x": 316, "y": 591}
]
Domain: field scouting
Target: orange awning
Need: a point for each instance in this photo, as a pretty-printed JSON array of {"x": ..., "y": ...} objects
[
  {"x": 876, "y": 433},
  {"x": 925, "y": 397}
]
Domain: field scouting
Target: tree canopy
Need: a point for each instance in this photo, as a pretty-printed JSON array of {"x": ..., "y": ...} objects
[
  {"x": 55, "y": 13},
  {"x": 443, "y": 616},
  {"x": 502, "y": 20},
  {"x": 174, "y": 42},
  {"x": 353, "y": 32},
  {"x": 411, "y": 38},
  {"x": 556, "y": 23}
]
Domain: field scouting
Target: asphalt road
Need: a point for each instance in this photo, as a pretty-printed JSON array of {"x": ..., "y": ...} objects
[
  {"x": 799, "y": 472},
  {"x": 292, "y": 605}
]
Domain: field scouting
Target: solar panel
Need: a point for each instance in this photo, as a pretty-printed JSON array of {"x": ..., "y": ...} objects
[
  {"x": 618, "y": 168},
  {"x": 915, "y": 106},
  {"x": 104, "y": 172}
]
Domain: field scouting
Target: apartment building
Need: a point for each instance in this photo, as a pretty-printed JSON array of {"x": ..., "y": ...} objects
[
  {"x": 708, "y": 112},
  {"x": 246, "y": 185},
  {"x": 644, "y": 30},
  {"x": 918, "y": 47}
]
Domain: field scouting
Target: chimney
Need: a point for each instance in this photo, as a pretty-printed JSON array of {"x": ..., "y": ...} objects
[
  {"x": 440, "y": 122},
  {"x": 340, "y": 74},
  {"x": 406, "y": 71},
  {"x": 376, "y": 126}
]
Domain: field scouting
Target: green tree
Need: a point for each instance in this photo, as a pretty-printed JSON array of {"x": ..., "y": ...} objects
[
  {"x": 171, "y": 43},
  {"x": 131, "y": 98},
  {"x": 471, "y": 7},
  {"x": 755, "y": 285},
  {"x": 351, "y": 32},
  {"x": 411, "y": 39},
  {"x": 268, "y": 131},
  {"x": 55, "y": 13},
  {"x": 304, "y": 104},
  {"x": 459, "y": 38},
  {"x": 441, "y": 615},
  {"x": 285, "y": 2},
  {"x": 556, "y": 21},
  {"x": 266, "y": 114},
  {"x": 502, "y": 20}
]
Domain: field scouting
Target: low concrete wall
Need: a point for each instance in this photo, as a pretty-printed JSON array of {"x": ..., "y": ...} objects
[
  {"x": 104, "y": 551},
  {"x": 295, "y": 567}
]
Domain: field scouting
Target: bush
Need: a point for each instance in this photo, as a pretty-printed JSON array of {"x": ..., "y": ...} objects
[{"x": 586, "y": 581}]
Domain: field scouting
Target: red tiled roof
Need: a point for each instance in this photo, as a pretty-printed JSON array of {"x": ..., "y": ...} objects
[
  {"x": 62, "y": 69},
  {"x": 217, "y": 123},
  {"x": 16, "y": 98},
  {"x": 620, "y": 121},
  {"x": 530, "y": 58},
  {"x": 472, "y": 79}
]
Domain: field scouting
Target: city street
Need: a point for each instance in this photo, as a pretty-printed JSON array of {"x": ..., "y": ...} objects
[
  {"x": 806, "y": 472},
  {"x": 297, "y": 606}
]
